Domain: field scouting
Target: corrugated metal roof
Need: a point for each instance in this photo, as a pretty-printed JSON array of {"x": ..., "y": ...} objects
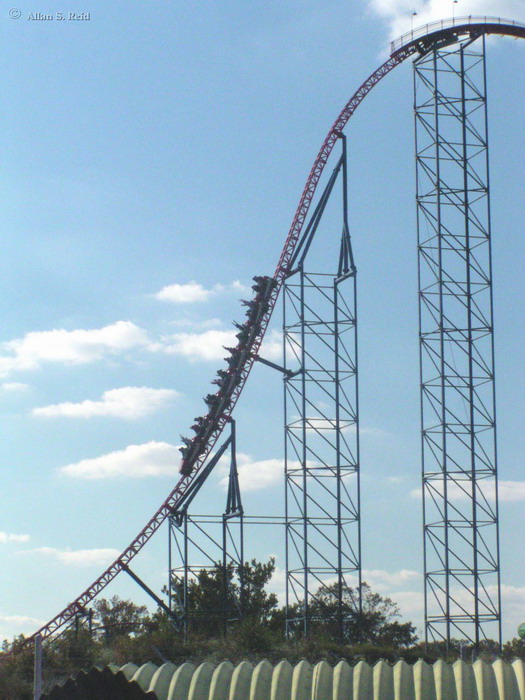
[{"x": 440, "y": 681}]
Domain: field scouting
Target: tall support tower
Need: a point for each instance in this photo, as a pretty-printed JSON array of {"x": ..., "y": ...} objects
[
  {"x": 323, "y": 539},
  {"x": 460, "y": 495}
]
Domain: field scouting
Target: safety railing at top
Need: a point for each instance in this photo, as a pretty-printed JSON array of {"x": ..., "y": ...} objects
[{"x": 438, "y": 25}]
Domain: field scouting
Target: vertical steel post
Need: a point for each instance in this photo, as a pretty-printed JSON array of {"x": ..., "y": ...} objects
[
  {"x": 304, "y": 469},
  {"x": 224, "y": 611},
  {"x": 287, "y": 532},
  {"x": 492, "y": 359},
  {"x": 37, "y": 677},
  {"x": 170, "y": 562}
]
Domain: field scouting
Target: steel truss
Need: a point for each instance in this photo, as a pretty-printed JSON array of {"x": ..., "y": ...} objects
[
  {"x": 205, "y": 544},
  {"x": 460, "y": 497},
  {"x": 323, "y": 536}
]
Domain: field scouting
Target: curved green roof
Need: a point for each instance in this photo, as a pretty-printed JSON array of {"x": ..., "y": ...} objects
[{"x": 440, "y": 681}]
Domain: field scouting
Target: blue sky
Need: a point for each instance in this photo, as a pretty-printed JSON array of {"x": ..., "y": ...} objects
[{"x": 153, "y": 156}]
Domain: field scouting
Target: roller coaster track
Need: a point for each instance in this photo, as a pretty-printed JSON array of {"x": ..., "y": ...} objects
[{"x": 418, "y": 41}]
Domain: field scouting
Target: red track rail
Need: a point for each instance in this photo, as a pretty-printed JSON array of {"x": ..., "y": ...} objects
[{"x": 447, "y": 32}]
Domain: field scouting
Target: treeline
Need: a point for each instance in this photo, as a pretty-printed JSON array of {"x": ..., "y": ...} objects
[{"x": 119, "y": 631}]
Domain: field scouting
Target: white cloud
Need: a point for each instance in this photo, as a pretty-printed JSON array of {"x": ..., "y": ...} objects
[
  {"x": 257, "y": 475},
  {"x": 512, "y": 598},
  {"x": 81, "y": 557},
  {"x": 196, "y": 324},
  {"x": 135, "y": 462},
  {"x": 13, "y": 625},
  {"x": 183, "y": 293},
  {"x": 513, "y": 602},
  {"x": 129, "y": 402},
  {"x": 272, "y": 346},
  {"x": 509, "y": 491},
  {"x": 376, "y": 577},
  {"x": 411, "y": 605},
  {"x": 69, "y": 347},
  {"x": 193, "y": 292},
  {"x": 199, "y": 346},
  {"x": 253, "y": 475},
  {"x": 236, "y": 286},
  {"x": 398, "y": 13},
  {"x": 209, "y": 345},
  {"x": 7, "y": 537},
  {"x": 14, "y": 387}
]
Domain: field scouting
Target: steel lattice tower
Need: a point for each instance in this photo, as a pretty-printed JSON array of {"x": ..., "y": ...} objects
[
  {"x": 208, "y": 543},
  {"x": 323, "y": 541},
  {"x": 460, "y": 499}
]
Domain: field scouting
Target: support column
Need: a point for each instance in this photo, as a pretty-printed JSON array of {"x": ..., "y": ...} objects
[
  {"x": 323, "y": 538},
  {"x": 459, "y": 464}
]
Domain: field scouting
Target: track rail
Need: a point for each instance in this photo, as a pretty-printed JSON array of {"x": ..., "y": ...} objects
[{"x": 447, "y": 31}]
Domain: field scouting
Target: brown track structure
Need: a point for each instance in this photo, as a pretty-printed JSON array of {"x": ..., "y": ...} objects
[{"x": 417, "y": 42}]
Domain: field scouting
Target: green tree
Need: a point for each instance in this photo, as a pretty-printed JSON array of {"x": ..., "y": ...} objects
[
  {"x": 375, "y": 623},
  {"x": 221, "y": 594},
  {"x": 16, "y": 671},
  {"x": 514, "y": 649},
  {"x": 257, "y": 604},
  {"x": 118, "y": 618}
]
